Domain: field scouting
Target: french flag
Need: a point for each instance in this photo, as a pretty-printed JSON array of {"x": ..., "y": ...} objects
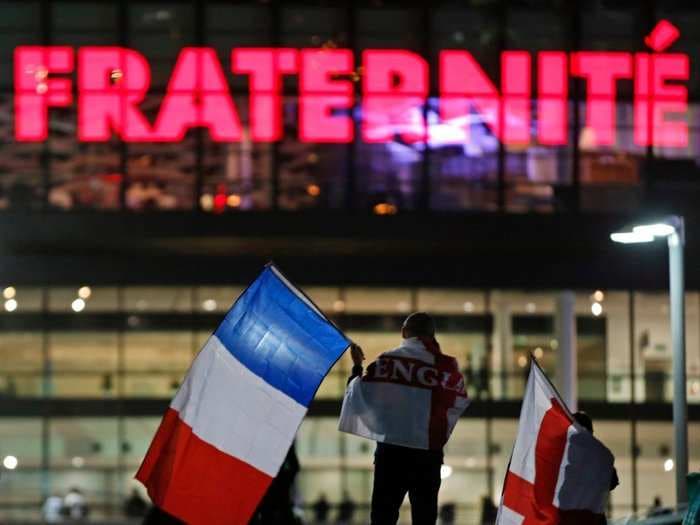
[{"x": 228, "y": 429}]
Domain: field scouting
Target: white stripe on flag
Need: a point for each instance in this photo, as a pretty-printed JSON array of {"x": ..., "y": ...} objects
[{"x": 234, "y": 410}]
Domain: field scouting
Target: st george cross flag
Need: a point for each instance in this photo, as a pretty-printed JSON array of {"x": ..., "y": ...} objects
[
  {"x": 558, "y": 473},
  {"x": 411, "y": 396},
  {"x": 230, "y": 425}
]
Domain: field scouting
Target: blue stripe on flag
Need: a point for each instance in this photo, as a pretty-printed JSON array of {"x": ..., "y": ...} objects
[{"x": 279, "y": 337}]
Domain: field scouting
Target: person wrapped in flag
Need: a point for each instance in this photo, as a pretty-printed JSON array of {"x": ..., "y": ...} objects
[
  {"x": 228, "y": 430},
  {"x": 559, "y": 474},
  {"x": 408, "y": 401}
]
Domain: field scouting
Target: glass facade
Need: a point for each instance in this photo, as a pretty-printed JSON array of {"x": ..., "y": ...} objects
[
  {"x": 86, "y": 372},
  {"x": 420, "y": 166},
  {"x": 111, "y": 363}
]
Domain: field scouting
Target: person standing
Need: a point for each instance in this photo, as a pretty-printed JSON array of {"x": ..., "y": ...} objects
[
  {"x": 321, "y": 509},
  {"x": 52, "y": 509},
  {"x": 277, "y": 506},
  {"x": 135, "y": 506},
  {"x": 409, "y": 400},
  {"x": 346, "y": 510},
  {"x": 75, "y": 504}
]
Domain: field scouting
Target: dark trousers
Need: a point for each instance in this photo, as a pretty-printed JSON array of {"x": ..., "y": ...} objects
[{"x": 400, "y": 470}]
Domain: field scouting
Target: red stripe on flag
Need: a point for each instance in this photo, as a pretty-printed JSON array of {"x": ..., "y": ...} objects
[
  {"x": 536, "y": 502},
  {"x": 442, "y": 399},
  {"x": 196, "y": 482}
]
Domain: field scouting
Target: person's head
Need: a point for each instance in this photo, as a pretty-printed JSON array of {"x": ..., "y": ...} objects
[
  {"x": 584, "y": 420},
  {"x": 418, "y": 324},
  {"x": 657, "y": 501}
]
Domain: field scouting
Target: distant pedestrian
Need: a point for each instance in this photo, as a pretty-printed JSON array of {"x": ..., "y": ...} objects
[
  {"x": 320, "y": 509},
  {"x": 52, "y": 509},
  {"x": 447, "y": 514},
  {"x": 484, "y": 377},
  {"x": 657, "y": 508},
  {"x": 75, "y": 505},
  {"x": 488, "y": 511},
  {"x": 157, "y": 516},
  {"x": 472, "y": 386},
  {"x": 346, "y": 510},
  {"x": 135, "y": 506},
  {"x": 277, "y": 506}
]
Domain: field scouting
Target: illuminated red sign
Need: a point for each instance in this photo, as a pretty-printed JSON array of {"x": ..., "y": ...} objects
[{"x": 112, "y": 82}]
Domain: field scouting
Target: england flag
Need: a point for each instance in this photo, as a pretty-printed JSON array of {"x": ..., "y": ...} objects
[
  {"x": 559, "y": 474},
  {"x": 410, "y": 396}
]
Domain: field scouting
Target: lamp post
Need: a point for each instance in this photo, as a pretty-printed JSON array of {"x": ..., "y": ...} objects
[{"x": 672, "y": 228}]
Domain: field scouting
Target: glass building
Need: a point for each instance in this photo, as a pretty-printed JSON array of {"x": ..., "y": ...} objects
[{"x": 119, "y": 255}]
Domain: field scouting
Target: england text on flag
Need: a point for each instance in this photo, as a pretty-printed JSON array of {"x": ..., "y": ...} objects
[
  {"x": 558, "y": 473},
  {"x": 229, "y": 427},
  {"x": 411, "y": 396}
]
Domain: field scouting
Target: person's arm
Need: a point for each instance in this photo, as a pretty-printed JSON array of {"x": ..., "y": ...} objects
[
  {"x": 614, "y": 481},
  {"x": 357, "y": 357}
]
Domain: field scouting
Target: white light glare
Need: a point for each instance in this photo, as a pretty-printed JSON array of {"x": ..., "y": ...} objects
[
  {"x": 10, "y": 462},
  {"x": 596, "y": 309},
  {"x": 631, "y": 237},
  {"x": 445, "y": 472},
  {"x": 78, "y": 305},
  {"x": 11, "y": 305},
  {"x": 658, "y": 229},
  {"x": 209, "y": 305},
  {"x": 668, "y": 465}
]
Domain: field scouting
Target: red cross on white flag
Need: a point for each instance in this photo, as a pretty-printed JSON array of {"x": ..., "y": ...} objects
[{"x": 559, "y": 474}]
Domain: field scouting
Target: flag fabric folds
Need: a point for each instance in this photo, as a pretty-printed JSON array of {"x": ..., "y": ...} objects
[
  {"x": 558, "y": 473},
  {"x": 231, "y": 423},
  {"x": 411, "y": 396}
]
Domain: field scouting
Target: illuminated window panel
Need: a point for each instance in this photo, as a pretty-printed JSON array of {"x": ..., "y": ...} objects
[
  {"x": 158, "y": 351},
  {"x": 83, "y": 298},
  {"x": 158, "y": 299},
  {"x": 378, "y": 301},
  {"x": 436, "y": 301}
]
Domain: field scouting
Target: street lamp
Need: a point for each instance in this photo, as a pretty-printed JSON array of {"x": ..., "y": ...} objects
[{"x": 672, "y": 228}]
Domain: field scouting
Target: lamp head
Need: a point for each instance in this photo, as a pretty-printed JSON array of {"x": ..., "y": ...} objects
[{"x": 648, "y": 232}]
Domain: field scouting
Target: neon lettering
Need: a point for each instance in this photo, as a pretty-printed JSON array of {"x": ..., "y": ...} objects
[
  {"x": 197, "y": 95},
  {"x": 112, "y": 82},
  {"x": 394, "y": 91},
  {"x": 320, "y": 95},
  {"x": 654, "y": 99},
  {"x": 463, "y": 84},
  {"x": 552, "y": 90},
  {"x": 35, "y": 91},
  {"x": 265, "y": 67},
  {"x": 601, "y": 70}
]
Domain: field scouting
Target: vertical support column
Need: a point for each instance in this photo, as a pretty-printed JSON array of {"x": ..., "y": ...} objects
[
  {"x": 680, "y": 408},
  {"x": 634, "y": 446},
  {"x": 490, "y": 488},
  {"x": 566, "y": 334},
  {"x": 46, "y": 393},
  {"x": 501, "y": 356}
]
